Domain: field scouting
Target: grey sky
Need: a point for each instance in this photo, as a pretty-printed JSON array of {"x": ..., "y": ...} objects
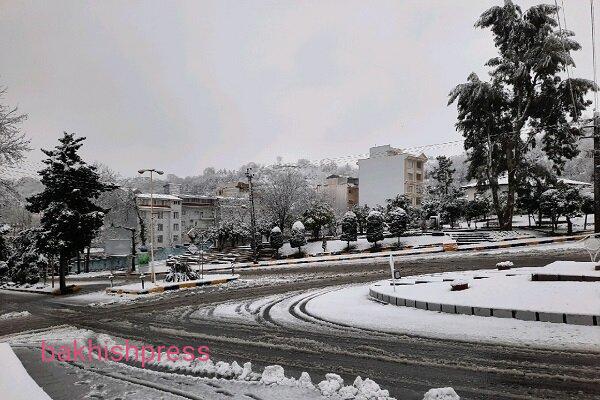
[{"x": 185, "y": 85}]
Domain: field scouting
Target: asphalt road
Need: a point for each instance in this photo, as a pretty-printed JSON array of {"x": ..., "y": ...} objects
[{"x": 407, "y": 366}]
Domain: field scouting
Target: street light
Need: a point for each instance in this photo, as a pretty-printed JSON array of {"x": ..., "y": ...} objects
[{"x": 152, "y": 171}]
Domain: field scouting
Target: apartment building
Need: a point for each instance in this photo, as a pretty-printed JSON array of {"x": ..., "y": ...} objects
[
  {"x": 341, "y": 191},
  {"x": 167, "y": 218},
  {"x": 389, "y": 172}
]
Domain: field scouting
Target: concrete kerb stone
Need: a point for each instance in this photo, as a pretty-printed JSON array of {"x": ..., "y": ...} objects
[
  {"x": 577, "y": 319},
  {"x": 551, "y": 317}
]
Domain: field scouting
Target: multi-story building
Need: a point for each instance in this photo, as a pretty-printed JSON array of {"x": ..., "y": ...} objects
[
  {"x": 341, "y": 191},
  {"x": 234, "y": 189},
  {"x": 389, "y": 172},
  {"x": 167, "y": 218}
]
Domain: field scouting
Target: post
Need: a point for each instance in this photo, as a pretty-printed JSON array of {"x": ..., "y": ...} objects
[
  {"x": 133, "y": 251},
  {"x": 152, "y": 276},
  {"x": 249, "y": 175},
  {"x": 596, "y": 172}
]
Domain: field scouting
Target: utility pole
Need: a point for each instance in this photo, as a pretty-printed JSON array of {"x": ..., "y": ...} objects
[
  {"x": 151, "y": 170},
  {"x": 596, "y": 172},
  {"x": 250, "y": 175}
]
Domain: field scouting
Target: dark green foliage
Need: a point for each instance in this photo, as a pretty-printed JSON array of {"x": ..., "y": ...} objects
[
  {"x": 526, "y": 89},
  {"x": 375, "y": 225},
  {"x": 180, "y": 272},
  {"x": 70, "y": 217},
  {"x": 298, "y": 237},
  {"x": 442, "y": 176},
  {"x": 317, "y": 216},
  {"x": 276, "y": 238},
  {"x": 476, "y": 209},
  {"x": 349, "y": 228},
  {"x": 361, "y": 217},
  {"x": 27, "y": 261},
  {"x": 397, "y": 220},
  {"x": 587, "y": 207}
]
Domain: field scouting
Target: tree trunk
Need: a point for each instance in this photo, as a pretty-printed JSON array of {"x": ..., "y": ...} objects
[
  {"x": 62, "y": 268},
  {"x": 87, "y": 260},
  {"x": 585, "y": 222},
  {"x": 569, "y": 226}
]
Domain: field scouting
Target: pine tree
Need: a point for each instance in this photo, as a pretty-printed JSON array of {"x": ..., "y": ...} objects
[
  {"x": 70, "y": 218},
  {"x": 526, "y": 89},
  {"x": 397, "y": 222},
  {"x": 349, "y": 228},
  {"x": 298, "y": 238},
  {"x": 361, "y": 216},
  {"x": 276, "y": 239},
  {"x": 317, "y": 216},
  {"x": 27, "y": 260},
  {"x": 375, "y": 227},
  {"x": 587, "y": 207}
]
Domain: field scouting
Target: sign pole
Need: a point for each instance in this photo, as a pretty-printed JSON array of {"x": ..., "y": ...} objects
[{"x": 392, "y": 269}]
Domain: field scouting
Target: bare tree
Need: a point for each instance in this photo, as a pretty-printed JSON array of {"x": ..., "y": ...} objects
[{"x": 13, "y": 143}]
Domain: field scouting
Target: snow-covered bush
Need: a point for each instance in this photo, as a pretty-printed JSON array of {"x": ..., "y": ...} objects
[
  {"x": 27, "y": 261},
  {"x": 504, "y": 265},
  {"x": 180, "y": 272},
  {"x": 446, "y": 393},
  {"x": 349, "y": 228},
  {"x": 276, "y": 239},
  {"x": 298, "y": 238},
  {"x": 375, "y": 227}
]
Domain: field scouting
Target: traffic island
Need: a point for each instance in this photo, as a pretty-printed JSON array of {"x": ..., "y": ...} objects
[
  {"x": 162, "y": 286},
  {"x": 562, "y": 292},
  {"x": 40, "y": 289}
]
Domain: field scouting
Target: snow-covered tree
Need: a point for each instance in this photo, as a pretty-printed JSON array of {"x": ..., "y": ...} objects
[
  {"x": 349, "y": 228},
  {"x": 441, "y": 177},
  {"x": 13, "y": 143},
  {"x": 476, "y": 209},
  {"x": 361, "y": 217},
  {"x": 452, "y": 207},
  {"x": 397, "y": 221},
  {"x": 318, "y": 215},
  {"x": 298, "y": 237},
  {"x": 587, "y": 207},
  {"x": 4, "y": 248},
  {"x": 276, "y": 239},
  {"x": 375, "y": 226},
  {"x": 70, "y": 217},
  {"x": 526, "y": 90},
  {"x": 27, "y": 261},
  {"x": 564, "y": 201}
]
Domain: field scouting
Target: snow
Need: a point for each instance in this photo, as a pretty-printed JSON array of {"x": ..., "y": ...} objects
[
  {"x": 500, "y": 290},
  {"x": 13, "y": 315},
  {"x": 276, "y": 230},
  {"x": 149, "y": 285},
  {"x": 441, "y": 394},
  {"x": 298, "y": 226},
  {"x": 351, "y": 306},
  {"x": 15, "y": 382}
]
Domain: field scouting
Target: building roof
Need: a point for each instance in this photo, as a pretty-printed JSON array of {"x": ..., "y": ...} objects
[
  {"x": 158, "y": 196},
  {"x": 503, "y": 181}
]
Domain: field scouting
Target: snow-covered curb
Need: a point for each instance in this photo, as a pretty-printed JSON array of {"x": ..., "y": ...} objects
[{"x": 15, "y": 314}]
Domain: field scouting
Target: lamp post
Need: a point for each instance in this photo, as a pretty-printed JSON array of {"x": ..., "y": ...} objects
[
  {"x": 152, "y": 171},
  {"x": 250, "y": 175}
]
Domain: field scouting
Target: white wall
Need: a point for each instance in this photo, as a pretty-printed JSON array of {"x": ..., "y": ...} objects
[{"x": 380, "y": 178}]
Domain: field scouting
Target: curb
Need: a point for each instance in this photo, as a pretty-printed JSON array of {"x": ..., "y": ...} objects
[
  {"x": 173, "y": 286},
  {"x": 55, "y": 292},
  {"x": 523, "y": 315}
]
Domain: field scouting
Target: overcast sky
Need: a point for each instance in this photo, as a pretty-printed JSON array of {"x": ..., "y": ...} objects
[{"x": 181, "y": 85}]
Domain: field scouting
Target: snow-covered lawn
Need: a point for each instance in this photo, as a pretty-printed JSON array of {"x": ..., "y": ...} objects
[
  {"x": 352, "y": 306},
  {"x": 15, "y": 382},
  {"x": 315, "y": 248},
  {"x": 510, "y": 289}
]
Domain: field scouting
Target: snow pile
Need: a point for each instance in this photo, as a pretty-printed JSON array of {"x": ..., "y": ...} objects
[
  {"x": 333, "y": 386},
  {"x": 298, "y": 226},
  {"x": 15, "y": 382},
  {"x": 505, "y": 264},
  {"x": 446, "y": 393},
  {"x": 13, "y": 315}
]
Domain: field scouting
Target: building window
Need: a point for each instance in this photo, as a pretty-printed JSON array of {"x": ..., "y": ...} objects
[
  {"x": 175, "y": 215},
  {"x": 159, "y": 227},
  {"x": 410, "y": 176},
  {"x": 183, "y": 212},
  {"x": 410, "y": 189},
  {"x": 419, "y": 177},
  {"x": 159, "y": 239},
  {"x": 419, "y": 164},
  {"x": 175, "y": 227},
  {"x": 176, "y": 238},
  {"x": 418, "y": 201},
  {"x": 410, "y": 164}
]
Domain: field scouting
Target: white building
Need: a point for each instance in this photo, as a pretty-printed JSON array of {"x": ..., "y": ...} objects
[
  {"x": 389, "y": 172},
  {"x": 167, "y": 218},
  {"x": 341, "y": 191}
]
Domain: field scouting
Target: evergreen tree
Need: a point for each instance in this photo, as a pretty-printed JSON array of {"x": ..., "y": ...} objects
[
  {"x": 452, "y": 208},
  {"x": 349, "y": 228},
  {"x": 27, "y": 261},
  {"x": 375, "y": 227},
  {"x": 70, "y": 217},
  {"x": 443, "y": 176},
  {"x": 4, "y": 249},
  {"x": 476, "y": 208},
  {"x": 526, "y": 90},
  {"x": 276, "y": 239},
  {"x": 397, "y": 222},
  {"x": 587, "y": 207},
  {"x": 318, "y": 215},
  {"x": 298, "y": 237},
  {"x": 361, "y": 217}
]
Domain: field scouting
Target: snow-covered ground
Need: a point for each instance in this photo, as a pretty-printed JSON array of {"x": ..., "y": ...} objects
[
  {"x": 207, "y": 280},
  {"x": 202, "y": 379},
  {"x": 352, "y": 306},
  {"x": 510, "y": 289},
  {"x": 315, "y": 248}
]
